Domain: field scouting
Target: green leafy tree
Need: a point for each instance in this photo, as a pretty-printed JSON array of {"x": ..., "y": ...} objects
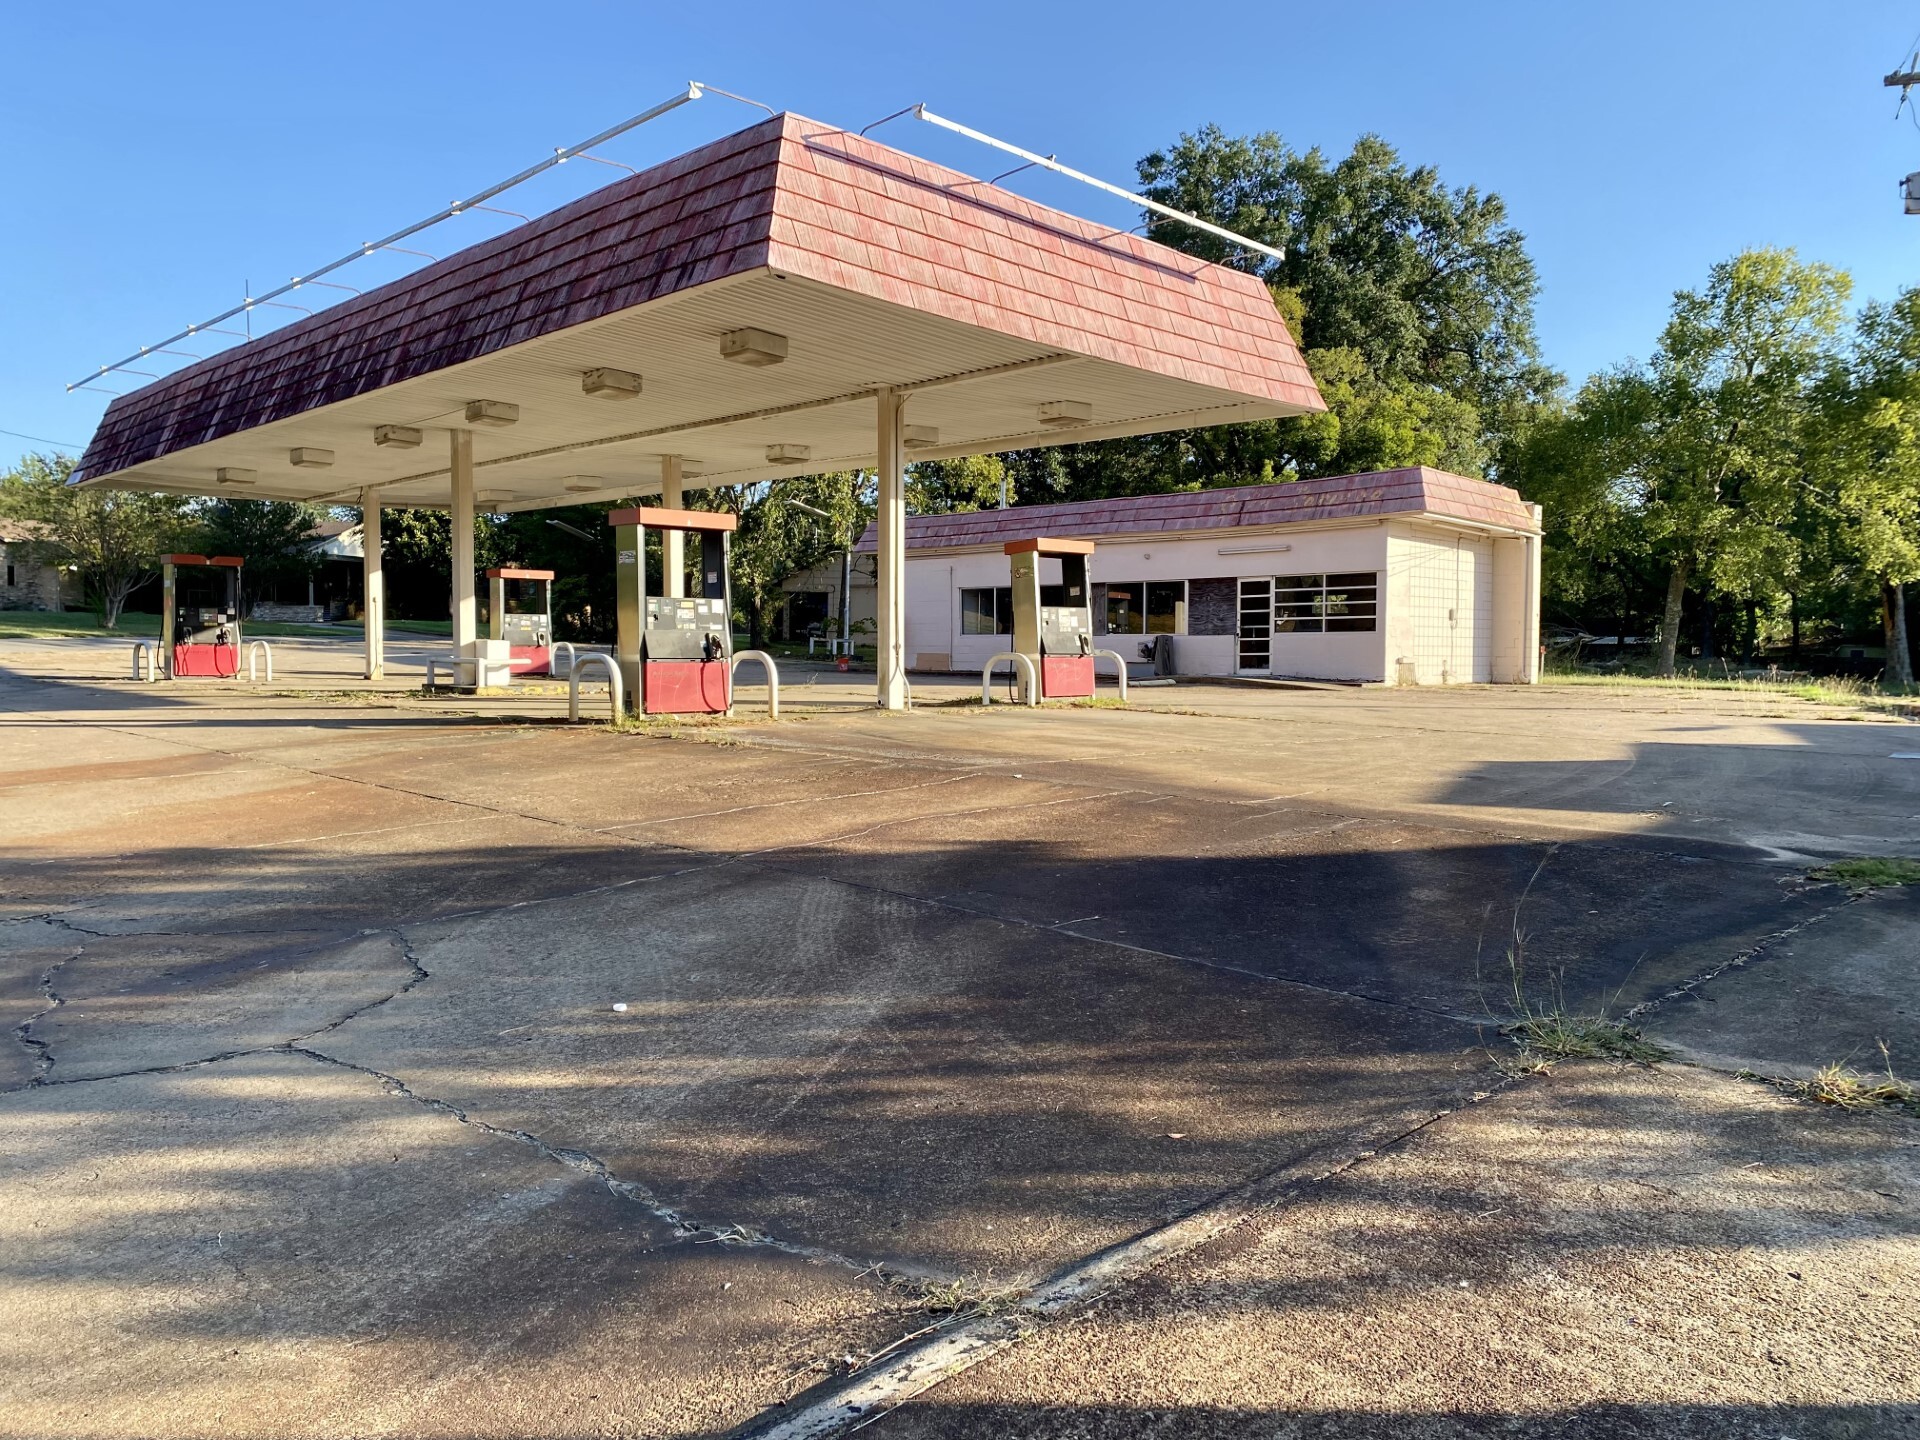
[
  {"x": 1698, "y": 459},
  {"x": 1869, "y": 461},
  {"x": 274, "y": 537},
  {"x": 1412, "y": 300},
  {"x": 115, "y": 537},
  {"x": 777, "y": 537}
]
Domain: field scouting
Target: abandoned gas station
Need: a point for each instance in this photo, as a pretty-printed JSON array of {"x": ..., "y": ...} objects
[{"x": 796, "y": 298}]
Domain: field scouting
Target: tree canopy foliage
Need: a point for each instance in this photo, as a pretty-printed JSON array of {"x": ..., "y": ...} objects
[{"x": 114, "y": 537}]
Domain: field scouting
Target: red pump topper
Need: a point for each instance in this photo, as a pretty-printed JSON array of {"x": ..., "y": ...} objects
[
  {"x": 1053, "y": 624},
  {"x": 200, "y": 615},
  {"x": 675, "y": 652}
]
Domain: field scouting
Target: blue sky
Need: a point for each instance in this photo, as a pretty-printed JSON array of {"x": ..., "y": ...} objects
[{"x": 160, "y": 157}]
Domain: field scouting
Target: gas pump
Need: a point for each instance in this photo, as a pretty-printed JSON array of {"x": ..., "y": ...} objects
[
  {"x": 675, "y": 652},
  {"x": 527, "y": 628},
  {"x": 200, "y": 615},
  {"x": 1053, "y": 624}
]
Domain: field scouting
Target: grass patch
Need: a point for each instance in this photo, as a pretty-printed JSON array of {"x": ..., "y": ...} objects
[
  {"x": 1843, "y": 690},
  {"x": 1548, "y": 1036},
  {"x": 73, "y": 624},
  {"x": 1869, "y": 872},
  {"x": 1545, "y": 1032},
  {"x": 1843, "y": 1088}
]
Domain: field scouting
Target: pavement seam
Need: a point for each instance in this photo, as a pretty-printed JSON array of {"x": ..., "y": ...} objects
[
  {"x": 1755, "y": 951},
  {"x": 838, "y": 1407},
  {"x": 587, "y": 1163}
]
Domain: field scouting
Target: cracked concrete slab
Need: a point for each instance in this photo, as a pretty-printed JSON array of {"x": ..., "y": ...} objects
[
  {"x": 1827, "y": 994},
  {"x": 143, "y": 1002},
  {"x": 272, "y": 1246},
  {"x": 976, "y": 993},
  {"x": 892, "y": 1080},
  {"x": 1598, "y": 1253}
]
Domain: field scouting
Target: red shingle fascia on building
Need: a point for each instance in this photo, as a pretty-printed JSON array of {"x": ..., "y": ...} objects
[
  {"x": 788, "y": 194},
  {"x": 1413, "y": 490},
  {"x": 860, "y": 215},
  {"x": 701, "y": 216}
]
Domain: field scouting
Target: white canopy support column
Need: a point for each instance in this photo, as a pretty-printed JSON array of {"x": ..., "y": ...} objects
[
  {"x": 373, "y": 584},
  {"x": 892, "y": 519},
  {"x": 673, "y": 543},
  {"x": 466, "y": 609}
]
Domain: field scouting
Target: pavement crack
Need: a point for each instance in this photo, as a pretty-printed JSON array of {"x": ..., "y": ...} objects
[
  {"x": 937, "y": 1353},
  {"x": 420, "y": 973},
  {"x": 701, "y": 1232},
  {"x": 1756, "y": 951}
]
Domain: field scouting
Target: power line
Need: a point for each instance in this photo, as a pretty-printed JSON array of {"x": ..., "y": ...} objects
[{"x": 42, "y": 440}]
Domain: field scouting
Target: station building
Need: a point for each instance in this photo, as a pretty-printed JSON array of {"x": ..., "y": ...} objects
[{"x": 1402, "y": 577}]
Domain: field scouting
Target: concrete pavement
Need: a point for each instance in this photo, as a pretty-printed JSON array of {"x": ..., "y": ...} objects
[{"x": 324, "y": 1119}]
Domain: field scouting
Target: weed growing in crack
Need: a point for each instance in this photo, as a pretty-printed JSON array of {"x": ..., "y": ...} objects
[
  {"x": 1869, "y": 872},
  {"x": 959, "y": 1299},
  {"x": 1845, "y": 1088},
  {"x": 1544, "y": 1034}
]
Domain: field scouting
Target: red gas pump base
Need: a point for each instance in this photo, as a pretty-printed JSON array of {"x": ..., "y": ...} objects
[
  {"x": 1066, "y": 677},
  {"x": 529, "y": 660},
  {"x": 220, "y": 661},
  {"x": 685, "y": 687}
]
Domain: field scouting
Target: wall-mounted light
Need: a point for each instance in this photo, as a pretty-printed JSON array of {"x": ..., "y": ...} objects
[
  {"x": 307, "y": 457},
  {"x": 610, "y": 384},
  {"x": 397, "y": 437},
  {"x": 494, "y": 413},
  {"x": 226, "y": 475},
  {"x": 789, "y": 454},
  {"x": 1062, "y": 413},
  {"x": 753, "y": 347}
]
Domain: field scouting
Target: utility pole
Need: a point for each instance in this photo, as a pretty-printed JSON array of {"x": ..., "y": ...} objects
[{"x": 1904, "y": 80}]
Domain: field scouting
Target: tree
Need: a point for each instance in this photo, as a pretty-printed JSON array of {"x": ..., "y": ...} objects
[
  {"x": 115, "y": 537},
  {"x": 1413, "y": 301},
  {"x": 776, "y": 537},
  {"x": 274, "y": 537},
  {"x": 1699, "y": 458},
  {"x": 1870, "y": 459}
]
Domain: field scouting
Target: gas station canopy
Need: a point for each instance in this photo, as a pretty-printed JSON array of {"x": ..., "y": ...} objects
[{"x": 727, "y": 313}]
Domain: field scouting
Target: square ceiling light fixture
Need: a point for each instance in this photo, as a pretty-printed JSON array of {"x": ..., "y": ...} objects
[
  {"x": 919, "y": 437},
  {"x": 789, "y": 454},
  {"x": 226, "y": 475},
  {"x": 306, "y": 457},
  {"x": 1062, "y": 413},
  {"x": 491, "y": 497},
  {"x": 610, "y": 384},
  {"x": 397, "y": 437},
  {"x": 753, "y": 347},
  {"x": 494, "y": 413},
  {"x": 583, "y": 484}
]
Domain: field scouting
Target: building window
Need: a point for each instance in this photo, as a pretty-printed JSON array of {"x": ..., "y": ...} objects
[
  {"x": 1312, "y": 604},
  {"x": 1157, "y": 607},
  {"x": 9, "y": 574},
  {"x": 986, "y": 612}
]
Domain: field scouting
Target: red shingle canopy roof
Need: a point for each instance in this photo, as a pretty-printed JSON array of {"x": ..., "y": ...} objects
[
  {"x": 1414, "y": 490},
  {"x": 887, "y": 233}
]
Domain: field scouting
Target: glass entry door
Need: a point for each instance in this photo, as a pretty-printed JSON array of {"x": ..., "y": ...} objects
[{"x": 1256, "y": 627}]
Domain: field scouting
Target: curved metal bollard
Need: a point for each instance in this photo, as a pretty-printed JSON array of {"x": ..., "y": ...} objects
[
  {"x": 255, "y": 649},
  {"x": 141, "y": 648},
  {"x": 1119, "y": 669},
  {"x": 773, "y": 680},
  {"x": 553, "y": 659},
  {"x": 615, "y": 688},
  {"x": 1021, "y": 663}
]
